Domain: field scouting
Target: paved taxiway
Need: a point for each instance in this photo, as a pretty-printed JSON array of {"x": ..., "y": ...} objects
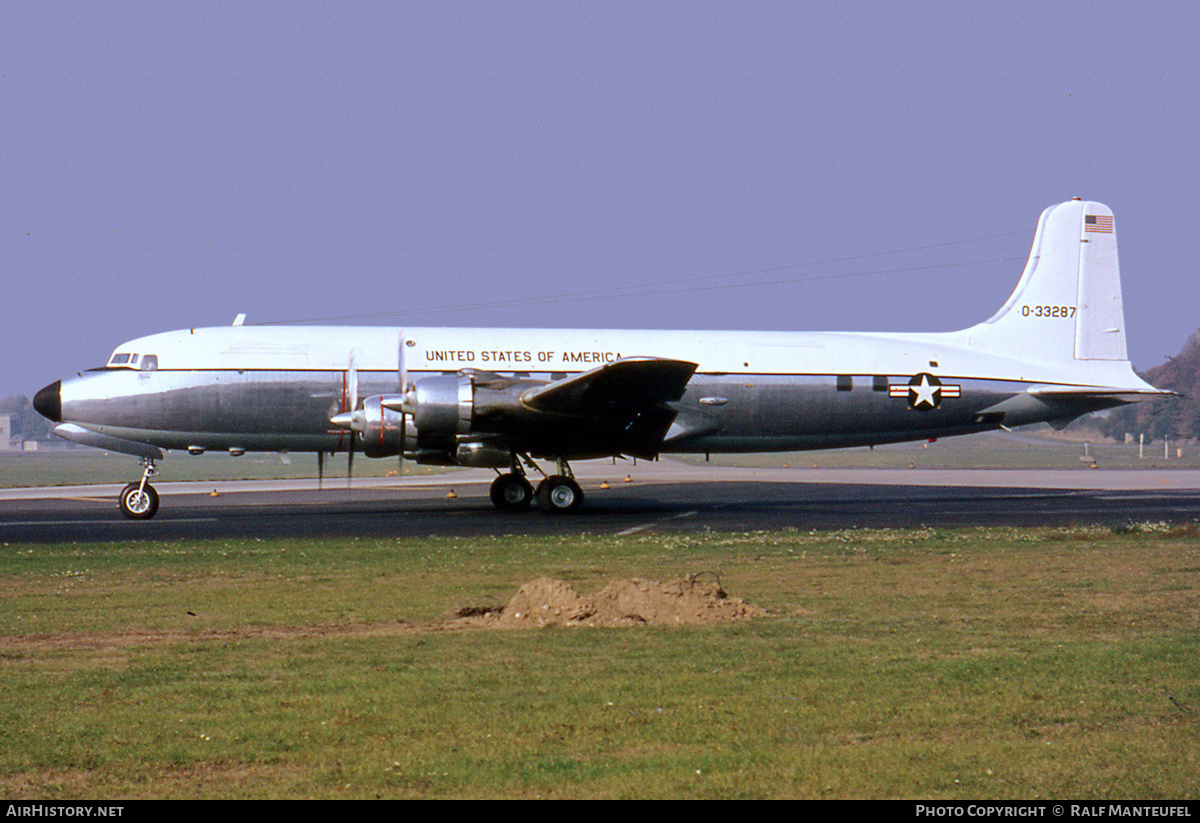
[{"x": 662, "y": 497}]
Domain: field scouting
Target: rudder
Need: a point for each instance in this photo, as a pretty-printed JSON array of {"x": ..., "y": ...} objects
[{"x": 1100, "y": 329}]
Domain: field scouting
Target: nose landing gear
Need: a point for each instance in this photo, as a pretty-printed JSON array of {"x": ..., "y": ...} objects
[{"x": 139, "y": 501}]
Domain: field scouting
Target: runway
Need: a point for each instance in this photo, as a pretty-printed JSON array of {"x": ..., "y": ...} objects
[{"x": 662, "y": 497}]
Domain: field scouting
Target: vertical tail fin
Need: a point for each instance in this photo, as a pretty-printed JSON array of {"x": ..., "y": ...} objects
[{"x": 1067, "y": 304}]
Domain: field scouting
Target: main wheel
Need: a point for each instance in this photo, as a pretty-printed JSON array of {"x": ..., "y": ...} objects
[
  {"x": 138, "y": 502},
  {"x": 511, "y": 492},
  {"x": 559, "y": 495}
]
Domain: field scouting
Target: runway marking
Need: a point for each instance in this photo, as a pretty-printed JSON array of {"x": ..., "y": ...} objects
[
  {"x": 644, "y": 526},
  {"x": 97, "y": 522},
  {"x": 47, "y": 523}
]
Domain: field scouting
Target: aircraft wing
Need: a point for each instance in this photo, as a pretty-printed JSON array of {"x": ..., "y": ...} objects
[
  {"x": 628, "y": 385},
  {"x": 627, "y": 398}
]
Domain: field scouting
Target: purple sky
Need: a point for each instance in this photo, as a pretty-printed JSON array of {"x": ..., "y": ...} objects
[{"x": 166, "y": 165}]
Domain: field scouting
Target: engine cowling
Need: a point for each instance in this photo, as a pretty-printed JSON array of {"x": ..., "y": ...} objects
[
  {"x": 436, "y": 411},
  {"x": 441, "y": 407},
  {"x": 382, "y": 429}
]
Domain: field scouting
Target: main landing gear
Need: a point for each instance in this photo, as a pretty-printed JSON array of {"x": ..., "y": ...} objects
[
  {"x": 556, "y": 494},
  {"x": 139, "y": 501}
]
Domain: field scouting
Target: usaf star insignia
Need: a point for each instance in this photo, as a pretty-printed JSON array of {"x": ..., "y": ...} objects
[{"x": 924, "y": 391}]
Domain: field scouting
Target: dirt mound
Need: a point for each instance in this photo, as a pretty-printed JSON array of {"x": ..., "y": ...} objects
[{"x": 632, "y": 602}]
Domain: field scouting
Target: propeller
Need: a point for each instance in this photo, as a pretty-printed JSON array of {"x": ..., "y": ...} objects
[
  {"x": 352, "y": 380},
  {"x": 403, "y": 370},
  {"x": 351, "y": 417},
  {"x": 380, "y": 426}
]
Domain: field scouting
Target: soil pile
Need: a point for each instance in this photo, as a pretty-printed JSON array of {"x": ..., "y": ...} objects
[{"x": 632, "y": 602}]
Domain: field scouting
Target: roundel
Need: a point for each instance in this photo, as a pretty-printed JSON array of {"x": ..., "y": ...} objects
[{"x": 924, "y": 391}]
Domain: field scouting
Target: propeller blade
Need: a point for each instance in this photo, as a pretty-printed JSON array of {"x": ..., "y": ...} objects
[
  {"x": 403, "y": 370},
  {"x": 320, "y": 469},
  {"x": 352, "y": 374}
]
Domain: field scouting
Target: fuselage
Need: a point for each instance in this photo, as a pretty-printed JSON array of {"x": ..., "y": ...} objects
[{"x": 274, "y": 388}]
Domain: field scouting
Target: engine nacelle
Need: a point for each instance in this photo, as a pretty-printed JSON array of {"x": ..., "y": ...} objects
[
  {"x": 474, "y": 454},
  {"x": 483, "y": 456},
  {"x": 442, "y": 407},
  {"x": 440, "y": 413},
  {"x": 382, "y": 433}
]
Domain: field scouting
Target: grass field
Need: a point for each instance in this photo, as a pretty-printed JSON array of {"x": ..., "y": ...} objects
[
  {"x": 68, "y": 467},
  {"x": 1032, "y": 447},
  {"x": 931, "y": 664}
]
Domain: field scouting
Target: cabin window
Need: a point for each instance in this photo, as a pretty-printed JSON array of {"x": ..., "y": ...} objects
[
  {"x": 845, "y": 382},
  {"x": 879, "y": 383}
]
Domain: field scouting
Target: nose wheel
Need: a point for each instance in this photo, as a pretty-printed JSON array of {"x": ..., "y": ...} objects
[{"x": 139, "y": 501}]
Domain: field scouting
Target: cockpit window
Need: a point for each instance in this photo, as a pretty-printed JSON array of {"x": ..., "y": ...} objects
[{"x": 145, "y": 362}]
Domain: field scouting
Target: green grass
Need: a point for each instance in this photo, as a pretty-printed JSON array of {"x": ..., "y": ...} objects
[
  {"x": 78, "y": 466},
  {"x": 1031, "y": 447},
  {"x": 935, "y": 664}
]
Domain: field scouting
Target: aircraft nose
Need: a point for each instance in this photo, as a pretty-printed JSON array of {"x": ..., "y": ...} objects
[{"x": 48, "y": 401}]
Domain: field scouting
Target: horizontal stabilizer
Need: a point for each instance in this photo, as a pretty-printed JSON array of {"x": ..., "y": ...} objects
[{"x": 1082, "y": 392}]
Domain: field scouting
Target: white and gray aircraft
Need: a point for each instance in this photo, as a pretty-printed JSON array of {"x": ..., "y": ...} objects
[{"x": 504, "y": 398}]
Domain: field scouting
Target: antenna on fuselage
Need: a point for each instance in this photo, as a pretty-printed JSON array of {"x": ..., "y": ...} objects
[{"x": 240, "y": 319}]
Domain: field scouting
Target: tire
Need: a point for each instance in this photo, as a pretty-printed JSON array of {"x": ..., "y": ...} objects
[
  {"x": 138, "y": 505},
  {"x": 511, "y": 492},
  {"x": 559, "y": 495}
]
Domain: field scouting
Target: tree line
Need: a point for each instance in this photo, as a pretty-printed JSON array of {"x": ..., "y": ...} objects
[
  {"x": 1171, "y": 418},
  {"x": 27, "y": 424}
]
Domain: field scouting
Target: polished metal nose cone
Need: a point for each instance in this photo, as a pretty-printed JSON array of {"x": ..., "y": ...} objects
[
  {"x": 348, "y": 420},
  {"x": 48, "y": 401}
]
